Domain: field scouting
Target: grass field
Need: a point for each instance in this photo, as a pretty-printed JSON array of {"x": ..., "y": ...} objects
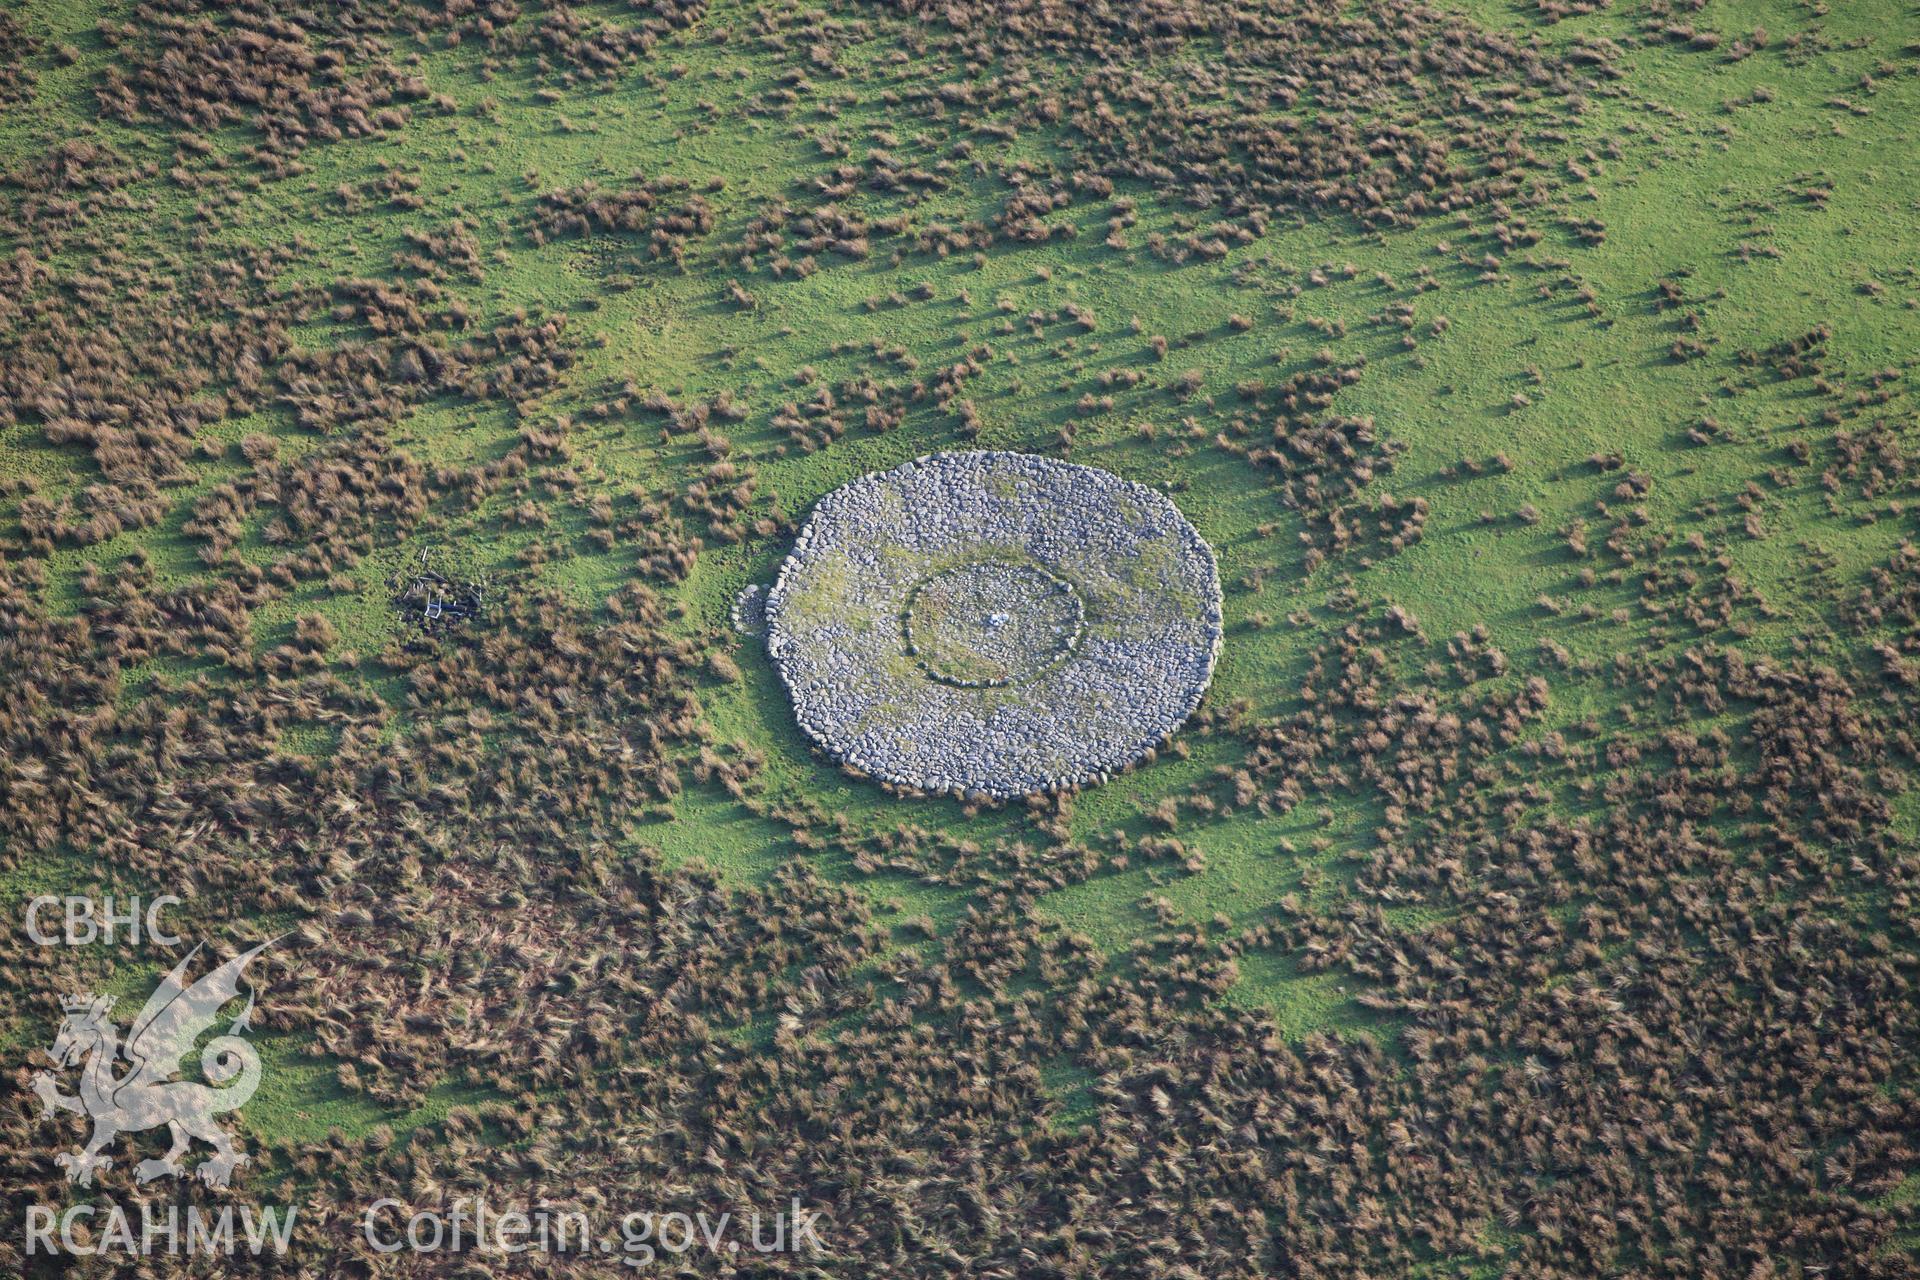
[{"x": 1554, "y": 786}]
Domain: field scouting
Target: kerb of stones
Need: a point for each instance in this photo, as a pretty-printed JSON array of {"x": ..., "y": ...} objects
[{"x": 992, "y": 624}]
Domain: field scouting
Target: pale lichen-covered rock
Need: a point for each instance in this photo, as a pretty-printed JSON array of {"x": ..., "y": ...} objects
[{"x": 993, "y": 624}]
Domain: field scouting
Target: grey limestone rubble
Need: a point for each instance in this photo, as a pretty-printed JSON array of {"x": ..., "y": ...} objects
[
  {"x": 992, "y": 624},
  {"x": 750, "y": 612}
]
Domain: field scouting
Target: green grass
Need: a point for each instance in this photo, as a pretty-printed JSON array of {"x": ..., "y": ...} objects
[
  {"x": 301, "y": 1099},
  {"x": 1680, "y": 207}
]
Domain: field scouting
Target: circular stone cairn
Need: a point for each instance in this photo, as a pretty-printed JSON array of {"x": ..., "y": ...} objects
[{"x": 993, "y": 624}]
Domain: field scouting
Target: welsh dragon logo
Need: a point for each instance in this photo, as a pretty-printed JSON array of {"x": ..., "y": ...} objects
[{"x": 147, "y": 1096}]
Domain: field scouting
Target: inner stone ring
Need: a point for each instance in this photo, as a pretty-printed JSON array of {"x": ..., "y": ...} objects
[{"x": 988, "y": 623}]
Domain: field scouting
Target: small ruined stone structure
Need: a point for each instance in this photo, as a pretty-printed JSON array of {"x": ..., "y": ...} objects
[
  {"x": 992, "y": 624},
  {"x": 433, "y": 602}
]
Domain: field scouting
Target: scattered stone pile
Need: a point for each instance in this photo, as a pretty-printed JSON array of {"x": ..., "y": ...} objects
[
  {"x": 434, "y": 602},
  {"x": 749, "y": 614},
  {"x": 992, "y": 624}
]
